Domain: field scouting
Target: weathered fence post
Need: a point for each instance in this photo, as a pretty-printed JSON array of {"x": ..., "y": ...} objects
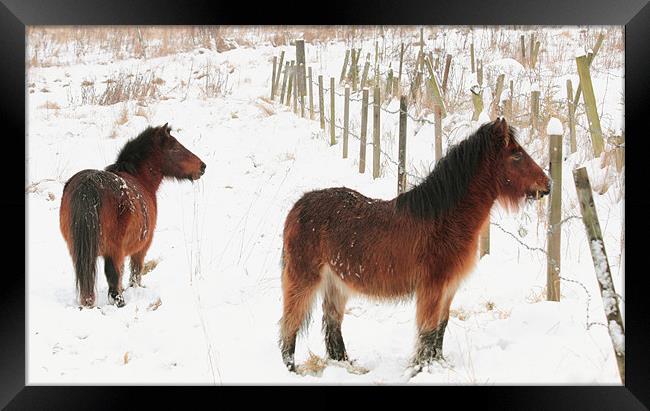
[
  {"x": 497, "y": 96},
  {"x": 364, "y": 76},
  {"x": 571, "y": 116},
  {"x": 590, "y": 105},
  {"x": 471, "y": 56},
  {"x": 275, "y": 62},
  {"x": 438, "y": 131},
  {"x": 364, "y": 129},
  {"x": 302, "y": 95},
  {"x": 284, "y": 81},
  {"x": 301, "y": 63},
  {"x": 590, "y": 58},
  {"x": 311, "y": 96},
  {"x": 554, "y": 235},
  {"x": 531, "y": 48},
  {"x": 296, "y": 88},
  {"x": 353, "y": 68},
  {"x": 399, "y": 73},
  {"x": 523, "y": 49},
  {"x": 321, "y": 102},
  {"x": 346, "y": 121},
  {"x": 603, "y": 274},
  {"x": 289, "y": 86},
  {"x": 477, "y": 100},
  {"x": 376, "y": 140},
  {"x": 401, "y": 169},
  {"x": 437, "y": 94},
  {"x": 345, "y": 65},
  {"x": 534, "y": 108},
  {"x": 332, "y": 114},
  {"x": 277, "y": 79},
  {"x": 533, "y": 55},
  {"x": 446, "y": 74},
  {"x": 389, "y": 83}
]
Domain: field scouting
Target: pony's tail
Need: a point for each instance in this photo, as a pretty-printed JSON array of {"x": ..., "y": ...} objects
[{"x": 85, "y": 204}]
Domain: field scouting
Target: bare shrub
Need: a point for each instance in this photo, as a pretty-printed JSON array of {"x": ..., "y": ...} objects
[{"x": 130, "y": 87}]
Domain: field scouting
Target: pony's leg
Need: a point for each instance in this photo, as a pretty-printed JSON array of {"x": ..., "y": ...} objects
[
  {"x": 432, "y": 309},
  {"x": 136, "y": 265},
  {"x": 334, "y": 300},
  {"x": 298, "y": 296},
  {"x": 113, "y": 267}
]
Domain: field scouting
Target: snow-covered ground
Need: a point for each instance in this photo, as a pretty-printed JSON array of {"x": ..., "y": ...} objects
[{"x": 209, "y": 313}]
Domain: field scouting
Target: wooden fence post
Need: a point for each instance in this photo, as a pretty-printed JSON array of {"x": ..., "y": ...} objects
[
  {"x": 353, "y": 68},
  {"x": 497, "y": 96},
  {"x": 296, "y": 87},
  {"x": 477, "y": 100},
  {"x": 438, "y": 131},
  {"x": 345, "y": 65},
  {"x": 590, "y": 58},
  {"x": 321, "y": 102},
  {"x": 301, "y": 63},
  {"x": 302, "y": 95},
  {"x": 571, "y": 116},
  {"x": 401, "y": 169},
  {"x": 399, "y": 73},
  {"x": 289, "y": 89},
  {"x": 446, "y": 74},
  {"x": 554, "y": 235},
  {"x": 389, "y": 83},
  {"x": 523, "y": 49},
  {"x": 531, "y": 47},
  {"x": 277, "y": 79},
  {"x": 311, "y": 95},
  {"x": 275, "y": 62},
  {"x": 332, "y": 114},
  {"x": 590, "y": 105},
  {"x": 603, "y": 274},
  {"x": 284, "y": 81},
  {"x": 437, "y": 94},
  {"x": 364, "y": 76},
  {"x": 534, "y": 109},
  {"x": 346, "y": 121},
  {"x": 364, "y": 129},
  {"x": 471, "y": 56},
  {"x": 376, "y": 138},
  {"x": 535, "y": 53}
]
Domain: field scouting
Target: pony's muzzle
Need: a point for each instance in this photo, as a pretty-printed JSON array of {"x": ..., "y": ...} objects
[{"x": 202, "y": 168}]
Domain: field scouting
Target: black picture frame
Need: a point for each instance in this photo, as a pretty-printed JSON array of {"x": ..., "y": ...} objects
[{"x": 15, "y": 15}]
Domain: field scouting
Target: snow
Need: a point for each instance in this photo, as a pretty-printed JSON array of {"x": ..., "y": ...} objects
[
  {"x": 554, "y": 127},
  {"x": 210, "y": 308}
]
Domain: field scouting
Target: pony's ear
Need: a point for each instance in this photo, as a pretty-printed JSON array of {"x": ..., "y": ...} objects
[{"x": 503, "y": 130}]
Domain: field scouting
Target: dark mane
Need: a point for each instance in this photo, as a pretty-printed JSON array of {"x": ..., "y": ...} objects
[
  {"x": 449, "y": 181},
  {"x": 134, "y": 152}
]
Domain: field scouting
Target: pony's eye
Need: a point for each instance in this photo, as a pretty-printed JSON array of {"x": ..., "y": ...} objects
[{"x": 517, "y": 156}]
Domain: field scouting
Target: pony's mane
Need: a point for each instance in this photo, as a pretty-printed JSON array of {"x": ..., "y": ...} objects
[
  {"x": 449, "y": 181},
  {"x": 134, "y": 152}
]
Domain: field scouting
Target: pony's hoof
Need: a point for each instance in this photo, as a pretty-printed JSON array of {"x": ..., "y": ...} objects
[{"x": 117, "y": 299}]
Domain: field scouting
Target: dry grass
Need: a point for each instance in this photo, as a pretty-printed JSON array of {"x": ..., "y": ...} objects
[
  {"x": 150, "y": 266},
  {"x": 536, "y": 295},
  {"x": 50, "y": 105},
  {"x": 313, "y": 366},
  {"x": 129, "y": 86}
]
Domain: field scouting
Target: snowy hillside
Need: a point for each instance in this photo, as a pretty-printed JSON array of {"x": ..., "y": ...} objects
[{"x": 210, "y": 310}]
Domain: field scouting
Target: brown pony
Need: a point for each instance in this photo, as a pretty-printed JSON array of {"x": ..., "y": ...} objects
[
  {"x": 420, "y": 244},
  {"x": 112, "y": 213}
]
